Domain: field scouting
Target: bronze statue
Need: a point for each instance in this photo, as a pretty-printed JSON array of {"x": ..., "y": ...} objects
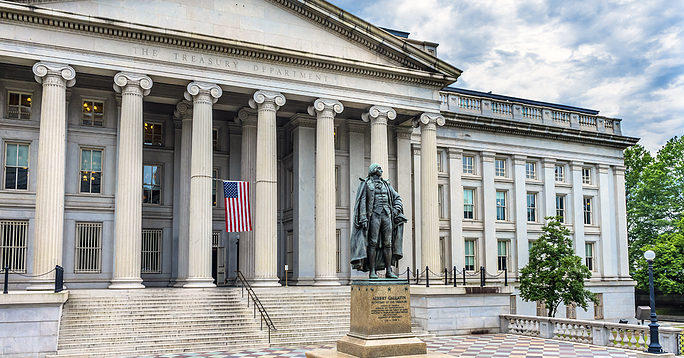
[{"x": 377, "y": 235}]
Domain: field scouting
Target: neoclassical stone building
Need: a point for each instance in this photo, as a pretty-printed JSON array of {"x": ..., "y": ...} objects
[{"x": 116, "y": 117}]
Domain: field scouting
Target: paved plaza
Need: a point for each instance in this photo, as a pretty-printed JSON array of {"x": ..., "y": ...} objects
[{"x": 490, "y": 345}]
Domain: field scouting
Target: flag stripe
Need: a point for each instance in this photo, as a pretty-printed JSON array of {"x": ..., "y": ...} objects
[{"x": 236, "y": 194}]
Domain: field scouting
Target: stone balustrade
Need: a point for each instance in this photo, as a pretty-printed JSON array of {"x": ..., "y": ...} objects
[
  {"x": 624, "y": 336},
  {"x": 525, "y": 112}
]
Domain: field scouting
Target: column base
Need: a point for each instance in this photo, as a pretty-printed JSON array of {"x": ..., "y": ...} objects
[
  {"x": 126, "y": 284},
  {"x": 180, "y": 282},
  {"x": 265, "y": 282},
  {"x": 199, "y": 282},
  {"x": 326, "y": 281}
]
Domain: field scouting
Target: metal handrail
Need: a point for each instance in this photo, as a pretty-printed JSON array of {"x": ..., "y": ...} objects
[{"x": 257, "y": 305}]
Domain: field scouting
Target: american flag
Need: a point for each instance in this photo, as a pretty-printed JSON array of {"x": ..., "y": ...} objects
[{"x": 238, "y": 217}]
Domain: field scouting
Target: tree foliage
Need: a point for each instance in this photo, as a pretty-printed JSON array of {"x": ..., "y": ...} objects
[
  {"x": 554, "y": 274},
  {"x": 668, "y": 266},
  {"x": 655, "y": 209}
]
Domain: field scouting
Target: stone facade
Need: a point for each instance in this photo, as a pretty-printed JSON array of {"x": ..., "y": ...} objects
[{"x": 280, "y": 93}]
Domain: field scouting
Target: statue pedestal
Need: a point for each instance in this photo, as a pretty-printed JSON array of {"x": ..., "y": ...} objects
[{"x": 380, "y": 323}]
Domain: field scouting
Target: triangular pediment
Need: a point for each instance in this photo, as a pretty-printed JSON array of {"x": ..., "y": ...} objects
[{"x": 313, "y": 30}]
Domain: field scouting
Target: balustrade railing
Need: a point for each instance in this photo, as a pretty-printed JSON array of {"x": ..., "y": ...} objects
[
  {"x": 625, "y": 336},
  {"x": 587, "y": 121},
  {"x": 472, "y": 104},
  {"x": 501, "y": 108},
  {"x": 531, "y": 112},
  {"x": 560, "y": 117}
]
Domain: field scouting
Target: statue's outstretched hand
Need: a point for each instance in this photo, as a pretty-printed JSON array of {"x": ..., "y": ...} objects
[{"x": 364, "y": 225}]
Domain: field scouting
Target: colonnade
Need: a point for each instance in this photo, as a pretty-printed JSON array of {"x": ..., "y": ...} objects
[{"x": 258, "y": 249}]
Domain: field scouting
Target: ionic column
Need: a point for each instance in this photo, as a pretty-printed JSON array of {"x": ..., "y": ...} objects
[
  {"x": 128, "y": 239},
  {"x": 49, "y": 227},
  {"x": 378, "y": 116},
  {"x": 578, "y": 208},
  {"x": 184, "y": 112},
  {"x": 325, "y": 110},
  {"x": 248, "y": 118},
  {"x": 621, "y": 222},
  {"x": 265, "y": 223},
  {"x": 429, "y": 215},
  {"x": 609, "y": 252},
  {"x": 203, "y": 96}
]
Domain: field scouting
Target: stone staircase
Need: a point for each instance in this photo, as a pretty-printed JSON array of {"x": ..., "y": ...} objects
[{"x": 107, "y": 323}]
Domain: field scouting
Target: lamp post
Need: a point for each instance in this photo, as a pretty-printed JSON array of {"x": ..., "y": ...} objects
[{"x": 654, "y": 346}]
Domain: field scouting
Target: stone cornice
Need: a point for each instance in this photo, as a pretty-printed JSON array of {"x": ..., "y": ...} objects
[
  {"x": 102, "y": 27},
  {"x": 526, "y": 129},
  {"x": 355, "y": 126}
]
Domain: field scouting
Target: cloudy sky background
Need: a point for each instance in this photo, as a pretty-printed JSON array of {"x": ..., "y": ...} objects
[{"x": 623, "y": 58}]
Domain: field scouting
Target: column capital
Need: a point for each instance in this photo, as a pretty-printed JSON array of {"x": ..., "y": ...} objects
[
  {"x": 139, "y": 83},
  {"x": 203, "y": 91},
  {"x": 488, "y": 157},
  {"x": 380, "y": 114},
  {"x": 603, "y": 168},
  {"x": 429, "y": 121},
  {"x": 549, "y": 162},
  {"x": 404, "y": 132},
  {"x": 64, "y": 74},
  {"x": 519, "y": 159},
  {"x": 577, "y": 166},
  {"x": 267, "y": 99},
  {"x": 455, "y": 153},
  {"x": 618, "y": 170},
  {"x": 355, "y": 126},
  {"x": 247, "y": 117},
  {"x": 183, "y": 110},
  {"x": 325, "y": 104}
]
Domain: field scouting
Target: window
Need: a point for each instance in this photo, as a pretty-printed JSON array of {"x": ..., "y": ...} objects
[
  {"x": 530, "y": 171},
  {"x": 88, "y": 248},
  {"x": 468, "y": 204},
  {"x": 589, "y": 255},
  {"x": 337, "y": 185},
  {"x": 338, "y": 238},
  {"x": 442, "y": 256},
  {"x": 598, "y": 308},
  {"x": 16, "y": 166},
  {"x": 13, "y": 245},
  {"x": 470, "y": 255},
  {"x": 440, "y": 201},
  {"x": 441, "y": 161},
  {"x": 153, "y": 134},
  {"x": 530, "y": 243},
  {"x": 500, "y": 167},
  {"x": 216, "y": 238},
  {"x": 290, "y": 184},
  {"x": 586, "y": 176},
  {"x": 336, "y": 139},
  {"x": 501, "y": 205},
  {"x": 541, "y": 309},
  {"x": 502, "y": 255},
  {"x": 91, "y": 170},
  {"x": 468, "y": 165},
  {"x": 531, "y": 207},
  {"x": 214, "y": 140},
  {"x": 290, "y": 245},
  {"x": 151, "y": 251},
  {"x": 18, "y": 105},
  {"x": 560, "y": 173},
  {"x": 93, "y": 114},
  {"x": 152, "y": 184},
  {"x": 571, "y": 311},
  {"x": 560, "y": 207},
  {"x": 214, "y": 197},
  {"x": 513, "y": 305},
  {"x": 587, "y": 210}
]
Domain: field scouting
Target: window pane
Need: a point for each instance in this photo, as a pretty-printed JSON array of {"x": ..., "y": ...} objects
[
  {"x": 85, "y": 182},
  {"x": 11, "y": 157},
  {"x": 156, "y": 174},
  {"x": 469, "y": 247},
  {"x": 98, "y": 107},
  {"x": 86, "y": 158},
  {"x": 14, "y": 99},
  {"x": 22, "y": 178},
  {"x": 96, "y": 179},
  {"x": 22, "y": 155},
  {"x": 97, "y": 161},
  {"x": 10, "y": 178},
  {"x": 25, "y": 100}
]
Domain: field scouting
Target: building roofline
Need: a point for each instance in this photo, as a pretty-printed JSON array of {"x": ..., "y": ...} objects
[{"x": 520, "y": 100}]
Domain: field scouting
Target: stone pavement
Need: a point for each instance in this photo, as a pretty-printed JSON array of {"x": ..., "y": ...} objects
[{"x": 489, "y": 345}]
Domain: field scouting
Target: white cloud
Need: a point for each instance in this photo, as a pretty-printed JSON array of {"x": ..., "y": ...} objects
[{"x": 624, "y": 58}]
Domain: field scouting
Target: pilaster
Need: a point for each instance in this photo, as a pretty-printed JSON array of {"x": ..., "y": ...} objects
[
  {"x": 522, "y": 246},
  {"x": 404, "y": 161},
  {"x": 128, "y": 240},
  {"x": 325, "y": 111},
  {"x": 378, "y": 116},
  {"x": 489, "y": 209},
  {"x": 621, "y": 222},
  {"x": 184, "y": 112},
  {"x": 203, "y": 96},
  {"x": 456, "y": 207},
  {"x": 549, "y": 165},
  {"x": 304, "y": 199},
  {"x": 50, "y": 171},
  {"x": 609, "y": 251},
  {"x": 578, "y": 207},
  {"x": 265, "y": 228}
]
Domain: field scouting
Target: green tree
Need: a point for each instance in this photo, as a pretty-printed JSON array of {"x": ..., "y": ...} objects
[
  {"x": 655, "y": 196},
  {"x": 668, "y": 266},
  {"x": 554, "y": 274}
]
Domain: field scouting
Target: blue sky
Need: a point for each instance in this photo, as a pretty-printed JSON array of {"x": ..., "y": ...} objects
[{"x": 623, "y": 58}]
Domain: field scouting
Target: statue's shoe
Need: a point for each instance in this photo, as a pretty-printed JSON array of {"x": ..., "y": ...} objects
[
  {"x": 390, "y": 275},
  {"x": 373, "y": 275}
]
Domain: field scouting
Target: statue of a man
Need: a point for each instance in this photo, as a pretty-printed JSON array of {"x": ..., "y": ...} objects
[{"x": 377, "y": 235}]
